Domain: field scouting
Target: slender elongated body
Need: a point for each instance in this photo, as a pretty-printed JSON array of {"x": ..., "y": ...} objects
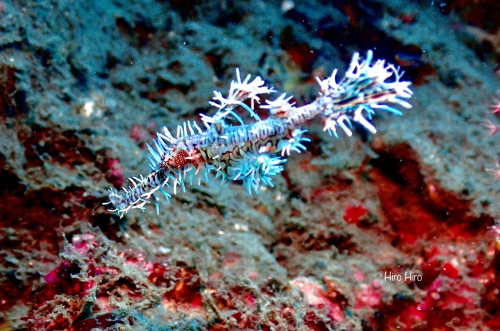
[{"x": 254, "y": 152}]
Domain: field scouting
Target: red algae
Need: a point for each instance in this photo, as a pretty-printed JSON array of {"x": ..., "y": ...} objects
[{"x": 419, "y": 208}]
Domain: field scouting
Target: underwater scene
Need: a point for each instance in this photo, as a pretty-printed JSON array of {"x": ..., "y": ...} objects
[{"x": 170, "y": 165}]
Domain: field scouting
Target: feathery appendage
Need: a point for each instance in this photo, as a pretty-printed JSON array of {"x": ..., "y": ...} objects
[{"x": 255, "y": 152}]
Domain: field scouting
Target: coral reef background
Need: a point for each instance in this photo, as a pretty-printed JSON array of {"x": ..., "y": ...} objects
[{"x": 384, "y": 232}]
